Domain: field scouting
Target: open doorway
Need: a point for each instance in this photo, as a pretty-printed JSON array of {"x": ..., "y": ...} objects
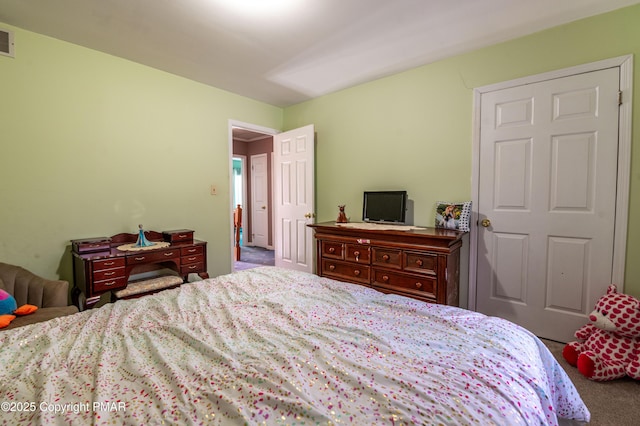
[{"x": 251, "y": 189}]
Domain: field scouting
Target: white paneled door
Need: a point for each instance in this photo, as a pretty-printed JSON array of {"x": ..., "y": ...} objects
[
  {"x": 547, "y": 199},
  {"x": 294, "y": 193}
]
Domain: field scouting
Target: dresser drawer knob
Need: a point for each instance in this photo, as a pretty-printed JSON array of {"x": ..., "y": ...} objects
[
  {"x": 356, "y": 272},
  {"x": 385, "y": 257},
  {"x": 140, "y": 259},
  {"x": 418, "y": 285},
  {"x": 109, "y": 263},
  {"x": 332, "y": 250},
  {"x": 419, "y": 262},
  {"x": 332, "y": 267},
  {"x": 385, "y": 278},
  {"x": 168, "y": 254},
  {"x": 110, "y": 284},
  {"x": 357, "y": 255},
  {"x": 108, "y": 274},
  {"x": 191, "y": 259},
  {"x": 192, "y": 250}
]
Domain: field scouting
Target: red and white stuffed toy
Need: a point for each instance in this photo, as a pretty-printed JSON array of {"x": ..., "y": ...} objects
[{"x": 608, "y": 348}]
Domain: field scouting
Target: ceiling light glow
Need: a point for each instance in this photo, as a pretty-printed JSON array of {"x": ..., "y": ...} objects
[{"x": 260, "y": 7}]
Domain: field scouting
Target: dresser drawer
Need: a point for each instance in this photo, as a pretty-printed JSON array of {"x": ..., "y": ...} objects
[
  {"x": 191, "y": 250},
  {"x": 197, "y": 258},
  {"x": 424, "y": 285},
  {"x": 112, "y": 284},
  {"x": 422, "y": 263},
  {"x": 332, "y": 250},
  {"x": 346, "y": 271},
  {"x": 155, "y": 256},
  {"x": 91, "y": 245},
  {"x": 108, "y": 274},
  {"x": 389, "y": 258},
  {"x": 178, "y": 235},
  {"x": 192, "y": 268},
  {"x": 107, "y": 263},
  {"x": 358, "y": 253}
]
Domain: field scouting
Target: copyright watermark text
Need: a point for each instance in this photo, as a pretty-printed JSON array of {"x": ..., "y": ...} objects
[{"x": 50, "y": 407}]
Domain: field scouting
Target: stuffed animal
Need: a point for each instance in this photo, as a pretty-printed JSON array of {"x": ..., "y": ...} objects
[
  {"x": 608, "y": 348},
  {"x": 9, "y": 309}
]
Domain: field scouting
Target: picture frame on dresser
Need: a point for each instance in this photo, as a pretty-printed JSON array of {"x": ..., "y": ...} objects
[{"x": 453, "y": 215}]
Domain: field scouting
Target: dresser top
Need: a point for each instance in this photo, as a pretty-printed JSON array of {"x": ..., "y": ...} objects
[{"x": 438, "y": 236}]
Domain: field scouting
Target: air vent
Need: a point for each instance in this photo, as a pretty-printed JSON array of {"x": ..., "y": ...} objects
[{"x": 6, "y": 43}]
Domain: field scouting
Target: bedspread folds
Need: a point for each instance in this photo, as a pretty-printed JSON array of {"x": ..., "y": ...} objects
[{"x": 281, "y": 347}]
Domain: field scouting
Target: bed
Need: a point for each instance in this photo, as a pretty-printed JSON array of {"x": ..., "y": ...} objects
[{"x": 273, "y": 346}]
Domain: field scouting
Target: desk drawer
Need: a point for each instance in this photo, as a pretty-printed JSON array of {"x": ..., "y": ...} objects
[
  {"x": 190, "y": 251},
  {"x": 155, "y": 256},
  {"x": 108, "y": 274},
  {"x": 178, "y": 235},
  {"x": 198, "y": 258},
  {"x": 192, "y": 268},
  {"x": 108, "y": 263},
  {"x": 91, "y": 245},
  {"x": 107, "y": 285}
]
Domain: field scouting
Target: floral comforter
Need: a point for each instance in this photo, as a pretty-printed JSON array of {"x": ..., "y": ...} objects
[{"x": 271, "y": 346}]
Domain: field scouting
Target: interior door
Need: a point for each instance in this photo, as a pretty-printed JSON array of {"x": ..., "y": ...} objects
[
  {"x": 259, "y": 201},
  {"x": 294, "y": 196},
  {"x": 547, "y": 197}
]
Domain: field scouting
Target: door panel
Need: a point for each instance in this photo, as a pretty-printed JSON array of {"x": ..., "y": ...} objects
[
  {"x": 259, "y": 201},
  {"x": 547, "y": 183},
  {"x": 294, "y": 162}
]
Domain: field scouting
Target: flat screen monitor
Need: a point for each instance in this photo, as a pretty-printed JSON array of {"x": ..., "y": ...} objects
[{"x": 384, "y": 206}]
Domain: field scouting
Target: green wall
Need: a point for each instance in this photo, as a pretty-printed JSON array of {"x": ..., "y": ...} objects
[
  {"x": 93, "y": 145},
  {"x": 413, "y": 130}
]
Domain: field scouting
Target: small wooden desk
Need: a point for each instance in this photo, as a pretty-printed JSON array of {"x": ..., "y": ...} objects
[{"x": 99, "y": 267}]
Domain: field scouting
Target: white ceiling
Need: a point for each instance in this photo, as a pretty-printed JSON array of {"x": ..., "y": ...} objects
[{"x": 296, "y": 49}]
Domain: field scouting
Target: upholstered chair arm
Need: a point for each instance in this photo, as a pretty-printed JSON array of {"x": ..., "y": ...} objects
[{"x": 29, "y": 288}]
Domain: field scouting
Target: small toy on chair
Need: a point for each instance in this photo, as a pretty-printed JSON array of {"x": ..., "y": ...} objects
[
  {"x": 342, "y": 217},
  {"x": 608, "y": 348},
  {"x": 9, "y": 309}
]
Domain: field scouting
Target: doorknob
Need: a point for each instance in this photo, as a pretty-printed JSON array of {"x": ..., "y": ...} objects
[
  {"x": 486, "y": 223},
  {"x": 264, "y": 207},
  {"x": 309, "y": 215}
]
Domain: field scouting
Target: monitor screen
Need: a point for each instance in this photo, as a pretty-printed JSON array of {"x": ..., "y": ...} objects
[{"x": 384, "y": 206}]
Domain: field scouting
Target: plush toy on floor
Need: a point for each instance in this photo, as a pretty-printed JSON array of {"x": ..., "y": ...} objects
[
  {"x": 9, "y": 309},
  {"x": 608, "y": 348}
]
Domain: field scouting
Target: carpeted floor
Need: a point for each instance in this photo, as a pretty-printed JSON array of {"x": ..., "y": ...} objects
[
  {"x": 252, "y": 257},
  {"x": 613, "y": 403}
]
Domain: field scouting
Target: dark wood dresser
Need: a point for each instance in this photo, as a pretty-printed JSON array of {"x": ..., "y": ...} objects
[
  {"x": 420, "y": 263},
  {"x": 99, "y": 267}
]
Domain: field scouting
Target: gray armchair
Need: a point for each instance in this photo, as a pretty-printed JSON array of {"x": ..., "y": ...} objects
[{"x": 50, "y": 296}]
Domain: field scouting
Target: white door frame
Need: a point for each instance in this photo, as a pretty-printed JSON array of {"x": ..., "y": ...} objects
[
  {"x": 624, "y": 160},
  {"x": 255, "y": 128}
]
